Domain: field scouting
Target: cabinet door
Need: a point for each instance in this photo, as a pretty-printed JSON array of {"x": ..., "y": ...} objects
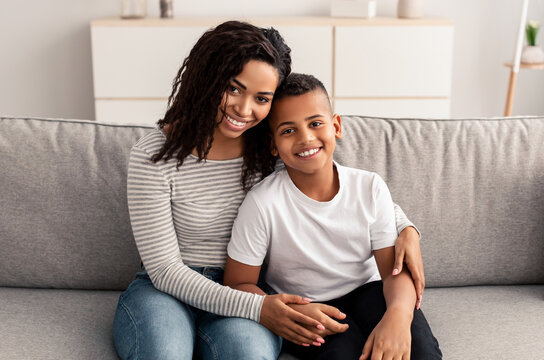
[
  {"x": 311, "y": 50},
  {"x": 127, "y": 111},
  {"x": 139, "y": 62},
  {"x": 399, "y": 108},
  {"x": 393, "y": 61}
]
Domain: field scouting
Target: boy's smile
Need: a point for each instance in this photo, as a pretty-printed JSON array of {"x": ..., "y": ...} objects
[{"x": 304, "y": 133}]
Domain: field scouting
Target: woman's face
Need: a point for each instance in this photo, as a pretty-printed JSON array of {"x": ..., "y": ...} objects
[{"x": 247, "y": 100}]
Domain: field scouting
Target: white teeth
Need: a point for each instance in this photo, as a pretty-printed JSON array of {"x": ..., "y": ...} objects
[
  {"x": 308, "y": 152},
  {"x": 237, "y": 123}
]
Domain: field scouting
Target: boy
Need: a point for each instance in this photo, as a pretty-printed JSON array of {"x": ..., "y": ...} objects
[{"x": 327, "y": 232}]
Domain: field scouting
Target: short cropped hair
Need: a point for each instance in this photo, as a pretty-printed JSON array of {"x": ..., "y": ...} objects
[{"x": 299, "y": 84}]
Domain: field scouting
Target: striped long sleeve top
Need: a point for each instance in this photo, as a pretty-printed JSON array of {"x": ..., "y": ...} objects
[{"x": 183, "y": 217}]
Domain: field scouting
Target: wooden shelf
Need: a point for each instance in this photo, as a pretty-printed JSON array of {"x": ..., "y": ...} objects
[
  {"x": 537, "y": 66},
  {"x": 209, "y": 21}
]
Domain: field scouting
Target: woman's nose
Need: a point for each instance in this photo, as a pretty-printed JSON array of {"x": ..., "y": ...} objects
[{"x": 243, "y": 107}]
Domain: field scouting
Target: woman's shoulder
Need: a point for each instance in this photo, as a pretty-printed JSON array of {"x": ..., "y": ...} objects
[{"x": 151, "y": 142}]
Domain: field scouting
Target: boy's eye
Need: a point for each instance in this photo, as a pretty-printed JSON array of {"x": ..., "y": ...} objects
[
  {"x": 286, "y": 131},
  {"x": 315, "y": 123}
]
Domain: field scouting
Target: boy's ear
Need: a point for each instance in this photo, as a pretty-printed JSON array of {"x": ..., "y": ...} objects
[
  {"x": 273, "y": 149},
  {"x": 337, "y": 123}
]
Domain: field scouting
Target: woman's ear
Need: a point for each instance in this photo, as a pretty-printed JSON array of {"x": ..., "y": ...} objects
[{"x": 337, "y": 123}]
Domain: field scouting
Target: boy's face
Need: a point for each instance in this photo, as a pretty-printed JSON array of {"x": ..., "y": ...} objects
[{"x": 304, "y": 132}]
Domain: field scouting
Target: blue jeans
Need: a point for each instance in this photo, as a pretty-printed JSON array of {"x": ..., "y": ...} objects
[{"x": 150, "y": 324}]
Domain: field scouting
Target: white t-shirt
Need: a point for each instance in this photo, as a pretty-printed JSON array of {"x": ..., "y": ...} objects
[{"x": 319, "y": 250}]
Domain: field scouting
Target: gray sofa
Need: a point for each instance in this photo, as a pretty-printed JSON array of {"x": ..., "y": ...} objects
[{"x": 474, "y": 187}]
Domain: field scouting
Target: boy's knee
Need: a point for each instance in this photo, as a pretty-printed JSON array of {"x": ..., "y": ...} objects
[{"x": 424, "y": 344}]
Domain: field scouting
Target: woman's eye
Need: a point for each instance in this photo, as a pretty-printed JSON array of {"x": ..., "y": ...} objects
[
  {"x": 262, "y": 99},
  {"x": 233, "y": 89}
]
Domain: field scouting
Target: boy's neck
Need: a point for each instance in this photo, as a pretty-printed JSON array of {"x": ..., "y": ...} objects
[{"x": 320, "y": 186}]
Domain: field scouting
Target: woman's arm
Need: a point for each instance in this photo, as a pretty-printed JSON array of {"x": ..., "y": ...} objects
[
  {"x": 283, "y": 320},
  {"x": 148, "y": 193},
  {"x": 391, "y": 338},
  {"x": 407, "y": 250}
]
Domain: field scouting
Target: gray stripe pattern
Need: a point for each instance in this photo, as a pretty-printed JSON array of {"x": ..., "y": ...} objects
[{"x": 183, "y": 218}]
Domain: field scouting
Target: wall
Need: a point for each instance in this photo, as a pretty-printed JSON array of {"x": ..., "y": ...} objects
[{"x": 46, "y": 65}]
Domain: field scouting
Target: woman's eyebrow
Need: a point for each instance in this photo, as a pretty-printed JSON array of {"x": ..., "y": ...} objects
[
  {"x": 240, "y": 84},
  {"x": 271, "y": 93}
]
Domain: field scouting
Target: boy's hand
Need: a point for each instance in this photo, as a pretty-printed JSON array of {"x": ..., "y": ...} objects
[
  {"x": 324, "y": 314},
  {"x": 390, "y": 339},
  {"x": 407, "y": 250},
  {"x": 279, "y": 318}
]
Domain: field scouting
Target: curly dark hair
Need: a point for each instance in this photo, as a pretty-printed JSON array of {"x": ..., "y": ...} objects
[
  {"x": 299, "y": 84},
  {"x": 218, "y": 56}
]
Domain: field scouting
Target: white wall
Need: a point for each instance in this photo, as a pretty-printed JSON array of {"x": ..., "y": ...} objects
[{"x": 46, "y": 70}]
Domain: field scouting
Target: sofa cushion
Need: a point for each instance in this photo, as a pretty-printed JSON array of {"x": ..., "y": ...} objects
[
  {"x": 483, "y": 322},
  {"x": 475, "y": 189},
  {"x": 57, "y": 324},
  {"x": 64, "y": 219},
  {"x": 487, "y": 322}
]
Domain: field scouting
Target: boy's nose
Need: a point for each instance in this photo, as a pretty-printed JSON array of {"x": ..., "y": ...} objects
[{"x": 306, "y": 136}]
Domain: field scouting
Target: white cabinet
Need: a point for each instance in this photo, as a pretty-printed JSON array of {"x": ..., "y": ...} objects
[
  {"x": 393, "y": 61},
  {"x": 377, "y": 67}
]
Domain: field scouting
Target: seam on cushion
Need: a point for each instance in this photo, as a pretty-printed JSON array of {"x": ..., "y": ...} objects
[
  {"x": 133, "y": 322},
  {"x": 80, "y": 121},
  {"x": 209, "y": 342}
]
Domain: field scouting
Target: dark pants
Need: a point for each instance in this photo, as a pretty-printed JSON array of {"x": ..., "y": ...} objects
[{"x": 364, "y": 308}]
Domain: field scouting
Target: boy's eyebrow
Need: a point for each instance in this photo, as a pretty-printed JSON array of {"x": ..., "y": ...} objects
[
  {"x": 271, "y": 93},
  {"x": 291, "y": 122}
]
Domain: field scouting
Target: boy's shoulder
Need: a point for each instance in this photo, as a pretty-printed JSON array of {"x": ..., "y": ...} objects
[
  {"x": 357, "y": 175},
  {"x": 269, "y": 184}
]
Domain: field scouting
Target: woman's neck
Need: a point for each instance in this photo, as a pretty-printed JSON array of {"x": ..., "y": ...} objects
[{"x": 224, "y": 148}]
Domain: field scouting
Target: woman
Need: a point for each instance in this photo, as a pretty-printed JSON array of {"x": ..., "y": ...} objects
[{"x": 186, "y": 180}]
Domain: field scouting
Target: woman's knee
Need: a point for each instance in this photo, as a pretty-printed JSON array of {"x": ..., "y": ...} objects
[
  {"x": 236, "y": 338},
  {"x": 149, "y": 324}
]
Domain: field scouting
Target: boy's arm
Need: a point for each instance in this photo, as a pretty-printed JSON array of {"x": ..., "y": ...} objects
[
  {"x": 391, "y": 337},
  {"x": 407, "y": 250},
  {"x": 244, "y": 277},
  {"x": 241, "y": 276}
]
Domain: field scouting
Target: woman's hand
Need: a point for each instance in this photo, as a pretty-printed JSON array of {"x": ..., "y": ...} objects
[
  {"x": 390, "y": 339},
  {"x": 407, "y": 251},
  {"x": 324, "y": 314},
  {"x": 288, "y": 323}
]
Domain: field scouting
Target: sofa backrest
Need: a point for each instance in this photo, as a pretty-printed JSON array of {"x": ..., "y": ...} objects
[
  {"x": 64, "y": 219},
  {"x": 475, "y": 189}
]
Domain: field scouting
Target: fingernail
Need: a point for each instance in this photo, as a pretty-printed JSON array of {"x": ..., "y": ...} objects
[
  {"x": 320, "y": 327},
  {"x": 306, "y": 299},
  {"x": 320, "y": 340},
  {"x": 305, "y": 344},
  {"x": 315, "y": 343},
  {"x": 395, "y": 271}
]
